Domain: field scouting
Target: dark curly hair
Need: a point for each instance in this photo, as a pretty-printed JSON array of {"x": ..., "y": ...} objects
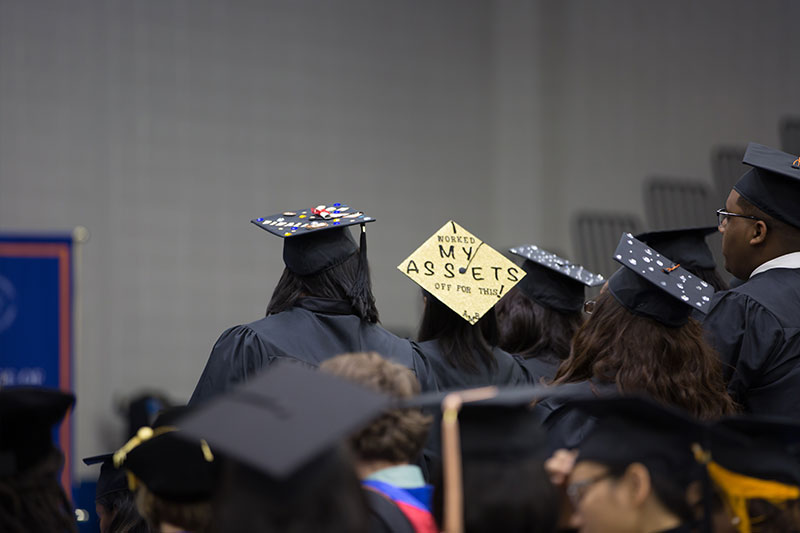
[
  {"x": 675, "y": 366},
  {"x": 398, "y": 435},
  {"x": 528, "y": 328}
]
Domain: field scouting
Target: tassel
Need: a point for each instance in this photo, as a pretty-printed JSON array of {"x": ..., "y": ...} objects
[{"x": 360, "y": 294}]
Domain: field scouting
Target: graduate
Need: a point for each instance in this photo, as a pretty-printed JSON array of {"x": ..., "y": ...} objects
[
  {"x": 283, "y": 464},
  {"x": 636, "y": 469},
  {"x": 385, "y": 450},
  {"x": 754, "y": 464},
  {"x": 755, "y": 327},
  {"x": 640, "y": 338},
  {"x": 539, "y": 317},
  {"x": 462, "y": 278},
  {"x": 688, "y": 248},
  {"x": 31, "y": 496},
  {"x": 173, "y": 478},
  {"x": 492, "y": 477},
  {"x": 115, "y": 504},
  {"x": 322, "y": 306}
]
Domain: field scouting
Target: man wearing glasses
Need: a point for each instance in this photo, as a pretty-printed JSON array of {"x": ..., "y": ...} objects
[{"x": 756, "y": 326}]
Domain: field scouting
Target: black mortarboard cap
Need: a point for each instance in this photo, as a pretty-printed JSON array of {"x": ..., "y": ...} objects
[
  {"x": 27, "y": 416},
  {"x": 485, "y": 423},
  {"x": 553, "y": 281},
  {"x": 773, "y": 184},
  {"x": 498, "y": 422},
  {"x": 284, "y": 417},
  {"x": 173, "y": 468},
  {"x": 653, "y": 286},
  {"x": 687, "y": 246},
  {"x": 316, "y": 239},
  {"x": 766, "y": 447},
  {"x": 111, "y": 479},
  {"x": 633, "y": 429}
]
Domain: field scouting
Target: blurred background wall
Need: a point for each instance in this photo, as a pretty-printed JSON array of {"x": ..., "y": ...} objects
[{"x": 164, "y": 126}]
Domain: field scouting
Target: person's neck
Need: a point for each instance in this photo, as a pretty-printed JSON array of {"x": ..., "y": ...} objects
[
  {"x": 169, "y": 528},
  {"x": 366, "y": 468},
  {"x": 655, "y": 517}
]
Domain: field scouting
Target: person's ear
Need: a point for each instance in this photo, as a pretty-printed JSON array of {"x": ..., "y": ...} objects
[
  {"x": 759, "y": 233},
  {"x": 637, "y": 484}
]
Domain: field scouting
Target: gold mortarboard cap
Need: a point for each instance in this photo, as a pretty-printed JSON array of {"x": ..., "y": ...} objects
[{"x": 462, "y": 271}]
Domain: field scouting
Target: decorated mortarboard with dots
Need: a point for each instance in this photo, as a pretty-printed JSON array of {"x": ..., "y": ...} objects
[
  {"x": 563, "y": 266},
  {"x": 305, "y": 221},
  {"x": 662, "y": 272}
]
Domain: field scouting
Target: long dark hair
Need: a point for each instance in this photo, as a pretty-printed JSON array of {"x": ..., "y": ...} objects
[
  {"x": 503, "y": 495},
  {"x": 528, "y": 328},
  {"x": 675, "y": 366},
  {"x": 463, "y": 345},
  {"x": 323, "y": 496},
  {"x": 126, "y": 518},
  {"x": 33, "y": 500},
  {"x": 336, "y": 283}
]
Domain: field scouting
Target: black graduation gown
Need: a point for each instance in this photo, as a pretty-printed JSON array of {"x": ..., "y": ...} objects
[
  {"x": 509, "y": 371},
  {"x": 314, "y": 330},
  {"x": 543, "y": 365},
  {"x": 384, "y": 515},
  {"x": 755, "y": 327},
  {"x": 566, "y": 427}
]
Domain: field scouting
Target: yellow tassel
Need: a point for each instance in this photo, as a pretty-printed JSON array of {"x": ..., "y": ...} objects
[
  {"x": 206, "y": 451},
  {"x": 738, "y": 489},
  {"x": 143, "y": 435}
]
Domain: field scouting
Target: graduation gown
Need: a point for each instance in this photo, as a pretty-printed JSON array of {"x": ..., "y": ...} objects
[
  {"x": 543, "y": 365},
  {"x": 384, "y": 515},
  {"x": 509, "y": 371},
  {"x": 755, "y": 327},
  {"x": 314, "y": 330},
  {"x": 567, "y": 427}
]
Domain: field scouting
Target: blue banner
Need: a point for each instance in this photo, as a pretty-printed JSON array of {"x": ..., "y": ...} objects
[{"x": 36, "y": 319}]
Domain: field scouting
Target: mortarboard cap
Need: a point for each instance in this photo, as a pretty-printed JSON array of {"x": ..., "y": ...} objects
[
  {"x": 315, "y": 238},
  {"x": 768, "y": 447},
  {"x": 633, "y": 429},
  {"x": 753, "y": 457},
  {"x": 653, "y": 286},
  {"x": 173, "y": 468},
  {"x": 687, "y": 246},
  {"x": 111, "y": 479},
  {"x": 553, "y": 281},
  {"x": 27, "y": 416},
  {"x": 486, "y": 423},
  {"x": 773, "y": 184},
  {"x": 462, "y": 271},
  {"x": 284, "y": 418}
]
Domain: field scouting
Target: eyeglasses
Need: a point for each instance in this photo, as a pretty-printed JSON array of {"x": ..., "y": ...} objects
[
  {"x": 588, "y": 306},
  {"x": 576, "y": 491},
  {"x": 723, "y": 215}
]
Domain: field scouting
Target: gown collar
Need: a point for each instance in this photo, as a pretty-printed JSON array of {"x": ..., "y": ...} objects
[{"x": 327, "y": 306}]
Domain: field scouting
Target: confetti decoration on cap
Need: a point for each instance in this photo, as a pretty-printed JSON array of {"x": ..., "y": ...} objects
[{"x": 303, "y": 221}]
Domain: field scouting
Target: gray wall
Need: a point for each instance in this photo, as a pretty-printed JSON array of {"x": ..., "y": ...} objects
[{"x": 164, "y": 126}]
